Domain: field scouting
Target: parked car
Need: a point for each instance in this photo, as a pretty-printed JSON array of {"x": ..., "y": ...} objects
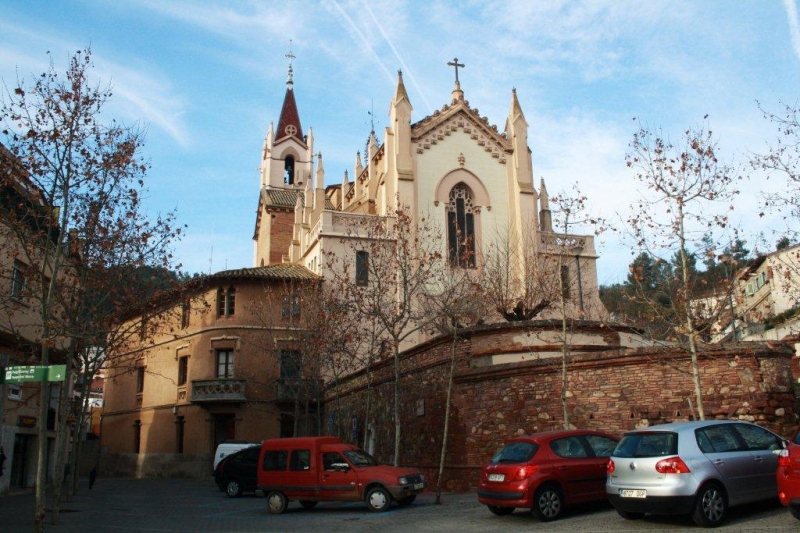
[
  {"x": 230, "y": 446},
  {"x": 700, "y": 468},
  {"x": 546, "y": 471},
  {"x": 238, "y": 472},
  {"x": 315, "y": 469},
  {"x": 788, "y": 478}
]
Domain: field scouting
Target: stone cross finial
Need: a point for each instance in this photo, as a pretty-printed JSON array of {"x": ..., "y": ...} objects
[
  {"x": 455, "y": 64},
  {"x": 290, "y": 56}
]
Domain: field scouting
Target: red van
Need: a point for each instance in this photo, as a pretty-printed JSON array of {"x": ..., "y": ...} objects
[{"x": 315, "y": 469}]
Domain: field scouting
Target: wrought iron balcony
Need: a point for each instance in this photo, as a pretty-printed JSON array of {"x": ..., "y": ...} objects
[
  {"x": 219, "y": 390},
  {"x": 289, "y": 390}
]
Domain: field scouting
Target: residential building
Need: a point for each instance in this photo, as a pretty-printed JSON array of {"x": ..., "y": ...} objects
[
  {"x": 26, "y": 228},
  {"x": 216, "y": 360}
]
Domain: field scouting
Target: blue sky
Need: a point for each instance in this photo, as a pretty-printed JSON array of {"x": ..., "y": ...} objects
[{"x": 207, "y": 78}]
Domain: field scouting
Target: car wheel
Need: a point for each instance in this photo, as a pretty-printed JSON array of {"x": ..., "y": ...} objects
[
  {"x": 378, "y": 499},
  {"x": 500, "y": 511},
  {"x": 795, "y": 511},
  {"x": 233, "y": 489},
  {"x": 307, "y": 504},
  {"x": 548, "y": 503},
  {"x": 407, "y": 500},
  {"x": 710, "y": 506},
  {"x": 276, "y": 502},
  {"x": 628, "y": 515}
]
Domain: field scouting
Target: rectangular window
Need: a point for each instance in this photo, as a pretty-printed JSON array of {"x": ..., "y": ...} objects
[
  {"x": 290, "y": 364},
  {"x": 275, "y": 460},
  {"x": 301, "y": 460},
  {"x": 179, "y": 427},
  {"x": 226, "y": 301},
  {"x": 140, "y": 371},
  {"x": 362, "y": 268},
  {"x": 224, "y": 363},
  {"x": 18, "y": 281},
  {"x": 183, "y": 370},
  {"x": 565, "y": 282},
  {"x": 137, "y": 436},
  {"x": 291, "y": 306}
]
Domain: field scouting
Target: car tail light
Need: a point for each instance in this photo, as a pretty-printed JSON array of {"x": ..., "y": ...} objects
[
  {"x": 672, "y": 465},
  {"x": 783, "y": 458},
  {"x": 526, "y": 471},
  {"x": 610, "y": 467}
]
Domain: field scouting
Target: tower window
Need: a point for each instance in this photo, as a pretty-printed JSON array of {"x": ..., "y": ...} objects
[
  {"x": 461, "y": 227},
  {"x": 288, "y": 170}
]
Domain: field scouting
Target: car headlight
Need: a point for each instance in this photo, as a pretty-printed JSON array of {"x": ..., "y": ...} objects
[{"x": 403, "y": 480}]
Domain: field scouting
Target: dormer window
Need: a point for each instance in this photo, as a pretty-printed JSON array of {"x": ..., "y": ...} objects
[{"x": 288, "y": 170}]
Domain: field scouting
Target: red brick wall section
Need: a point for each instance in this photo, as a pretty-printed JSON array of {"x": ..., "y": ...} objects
[{"x": 612, "y": 391}]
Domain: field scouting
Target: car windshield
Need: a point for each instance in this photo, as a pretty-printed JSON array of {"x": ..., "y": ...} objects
[
  {"x": 647, "y": 445},
  {"x": 360, "y": 458},
  {"x": 515, "y": 452}
]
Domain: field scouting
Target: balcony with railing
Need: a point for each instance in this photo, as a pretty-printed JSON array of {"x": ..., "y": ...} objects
[
  {"x": 220, "y": 390},
  {"x": 289, "y": 390}
]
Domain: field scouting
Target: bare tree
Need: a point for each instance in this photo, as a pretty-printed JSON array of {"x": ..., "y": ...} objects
[
  {"x": 688, "y": 194},
  {"x": 394, "y": 258},
  {"x": 454, "y": 300},
  {"x": 94, "y": 175}
]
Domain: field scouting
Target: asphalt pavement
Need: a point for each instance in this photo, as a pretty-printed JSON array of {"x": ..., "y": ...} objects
[{"x": 193, "y": 506}]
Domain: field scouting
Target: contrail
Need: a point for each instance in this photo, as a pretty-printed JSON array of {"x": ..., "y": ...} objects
[
  {"x": 363, "y": 39},
  {"x": 794, "y": 25},
  {"x": 406, "y": 68}
]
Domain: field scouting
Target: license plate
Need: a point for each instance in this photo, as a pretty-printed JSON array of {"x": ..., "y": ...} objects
[
  {"x": 419, "y": 486},
  {"x": 497, "y": 477},
  {"x": 631, "y": 493}
]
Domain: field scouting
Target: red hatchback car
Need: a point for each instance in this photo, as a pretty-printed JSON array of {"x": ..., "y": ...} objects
[
  {"x": 546, "y": 471},
  {"x": 788, "y": 478}
]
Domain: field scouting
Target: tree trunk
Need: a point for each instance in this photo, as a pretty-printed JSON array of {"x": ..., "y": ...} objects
[
  {"x": 440, "y": 481},
  {"x": 690, "y": 326},
  {"x": 396, "y": 402},
  {"x": 60, "y": 474}
]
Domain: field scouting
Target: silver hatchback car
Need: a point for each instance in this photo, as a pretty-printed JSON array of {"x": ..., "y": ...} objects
[{"x": 698, "y": 468}]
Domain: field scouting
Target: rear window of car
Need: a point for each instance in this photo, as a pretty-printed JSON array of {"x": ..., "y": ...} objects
[
  {"x": 647, "y": 445},
  {"x": 515, "y": 452}
]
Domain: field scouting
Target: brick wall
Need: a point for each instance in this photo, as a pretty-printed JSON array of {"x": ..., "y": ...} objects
[{"x": 613, "y": 390}]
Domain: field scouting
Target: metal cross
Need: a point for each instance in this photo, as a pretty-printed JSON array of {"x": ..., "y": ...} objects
[{"x": 455, "y": 64}]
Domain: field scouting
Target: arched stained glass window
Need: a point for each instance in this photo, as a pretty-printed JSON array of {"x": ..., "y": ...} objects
[{"x": 461, "y": 227}]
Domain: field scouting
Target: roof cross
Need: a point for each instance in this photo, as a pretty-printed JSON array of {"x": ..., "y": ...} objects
[
  {"x": 290, "y": 56},
  {"x": 455, "y": 64}
]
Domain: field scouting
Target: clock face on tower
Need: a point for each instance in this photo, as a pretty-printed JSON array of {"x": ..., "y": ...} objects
[{"x": 290, "y": 129}]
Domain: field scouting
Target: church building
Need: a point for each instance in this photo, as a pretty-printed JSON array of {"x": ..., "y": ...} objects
[{"x": 474, "y": 181}]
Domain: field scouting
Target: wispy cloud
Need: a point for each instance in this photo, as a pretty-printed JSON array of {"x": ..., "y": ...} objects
[{"x": 794, "y": 25}]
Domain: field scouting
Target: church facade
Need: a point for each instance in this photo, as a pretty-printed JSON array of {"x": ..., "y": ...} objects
[{"x": 474, "y": 181}]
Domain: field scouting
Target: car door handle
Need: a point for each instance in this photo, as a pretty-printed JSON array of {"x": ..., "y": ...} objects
[
  {"x": 757, "y": 459},
  {"x": 719, "y": 462},
  {"x": 562, "y": 467}
]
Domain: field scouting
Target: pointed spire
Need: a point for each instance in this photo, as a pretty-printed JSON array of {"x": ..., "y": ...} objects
[
  {"x": 516, "y": 109},
  {"x": 359, "y": 167},
  {"x": 544, "y": 198},
  {"x": 289, "y": 123},
  {"x": 400, "y": 93}
]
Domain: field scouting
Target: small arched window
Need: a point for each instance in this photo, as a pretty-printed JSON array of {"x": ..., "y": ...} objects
[
  {"x": 461, "y": 227},
  {"x": 288, "y": 170}
]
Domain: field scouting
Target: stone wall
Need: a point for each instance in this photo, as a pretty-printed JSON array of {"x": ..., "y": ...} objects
[{"x": 609, "y": 389}]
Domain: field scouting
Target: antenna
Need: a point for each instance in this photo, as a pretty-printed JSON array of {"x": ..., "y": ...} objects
[{"x": 211, "y": 255}]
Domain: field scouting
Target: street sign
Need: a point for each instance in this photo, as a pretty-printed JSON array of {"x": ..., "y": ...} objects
[{"x": 21, "y": 374}]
